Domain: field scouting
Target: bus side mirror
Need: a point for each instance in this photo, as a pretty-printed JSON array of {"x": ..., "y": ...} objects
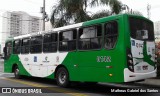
[
  {"x": 2, "y": 57},
  {"x": 5, "y": 53}
]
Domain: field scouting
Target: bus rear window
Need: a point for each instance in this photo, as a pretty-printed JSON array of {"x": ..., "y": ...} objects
[{"x": 141, "y": 29}]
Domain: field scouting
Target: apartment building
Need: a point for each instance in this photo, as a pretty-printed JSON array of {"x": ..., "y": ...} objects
[{"x": 18, "y": 23}]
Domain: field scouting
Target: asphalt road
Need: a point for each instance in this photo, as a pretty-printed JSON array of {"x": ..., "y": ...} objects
[
  {"x": 1, "y": 65},
  {"x": 49, "y": 88}
]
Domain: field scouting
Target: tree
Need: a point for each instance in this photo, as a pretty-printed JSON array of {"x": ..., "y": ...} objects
[
  {"x": 74, "y": 11},
  {"x": 100, "y": 14},
  {"x": 135, "y": 13}
]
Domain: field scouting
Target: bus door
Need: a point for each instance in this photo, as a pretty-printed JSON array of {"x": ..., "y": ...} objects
[
  {"x": 89, "y": 47},
  {"x": 113, "y": 56}
]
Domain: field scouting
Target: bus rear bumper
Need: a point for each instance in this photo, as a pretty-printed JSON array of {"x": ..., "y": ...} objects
[{"x": 131, "y": 76}]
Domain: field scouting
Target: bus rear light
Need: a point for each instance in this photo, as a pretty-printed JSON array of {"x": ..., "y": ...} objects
[
  {"x": 130, "y": 66},
  {"x": 155, "y": 56},
  {"x": 156, "y": 60},
  {"x": 129, "y": 55},
  {"x": 130, "y": 60}
]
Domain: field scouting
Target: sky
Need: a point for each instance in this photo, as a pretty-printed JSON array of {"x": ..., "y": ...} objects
[
  {"x": 32, "y": 7},
  {"x": 141, "y": 6}
]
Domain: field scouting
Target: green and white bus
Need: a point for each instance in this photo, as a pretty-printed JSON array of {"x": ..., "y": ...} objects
[{"x": 118, "y": 48}]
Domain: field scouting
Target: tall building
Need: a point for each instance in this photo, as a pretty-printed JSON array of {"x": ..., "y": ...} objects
[
  {"x": 48, "y": 26},
  {"x": 157, "y": 31},
  {"x": 18, "y": 23},
  {"x": 157, "y": 27}
]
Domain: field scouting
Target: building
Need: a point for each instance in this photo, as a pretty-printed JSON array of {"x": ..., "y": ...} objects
[
  {"x": 157, "y": 31},
  {"x": 157, "y": 28},
  {"x": 18, "y": 23},
  {"x": 48, "y": 26}
]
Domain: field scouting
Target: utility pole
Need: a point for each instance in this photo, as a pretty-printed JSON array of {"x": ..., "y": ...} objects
[
  {"x": 148, "y": 11},
  {"x": 43, "y": 15}
]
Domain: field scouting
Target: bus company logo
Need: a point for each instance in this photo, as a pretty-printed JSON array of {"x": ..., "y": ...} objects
[
  {"x": 103, "y": 59},
  {"x": 35, "y": 58},
  {"x": 26, "y": 59},
  {"x": 46, "y": 60}
]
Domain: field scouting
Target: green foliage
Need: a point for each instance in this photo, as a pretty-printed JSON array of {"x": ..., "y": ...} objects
[
  {"x": 74, "y": 11},
  {"x": 100, "y": 14},
  {"x": 135, "y": 13}
]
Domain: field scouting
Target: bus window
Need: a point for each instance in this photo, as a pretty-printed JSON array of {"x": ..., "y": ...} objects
[
  {"x": 36, "y": 44},
  {"x": 50, "y": 42},
  {"x": 16, "y": 46},
  {"x": 90, "y": 38},
  {"x": 67, "y": 40},
  {"x": 25, "y": 46},
  {"x": 141, "y": 29},
  {"x": 111, "y": 34}
]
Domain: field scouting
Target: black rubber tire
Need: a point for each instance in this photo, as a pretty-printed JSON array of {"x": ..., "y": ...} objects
[
  {"x": 16, "y": 72},
  {"x": 62, "y": 77}
]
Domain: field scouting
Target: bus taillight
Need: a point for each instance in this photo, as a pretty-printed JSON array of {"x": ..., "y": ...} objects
[
  {"x": 130, "y": 60},
  {"x": 155, "y": 61}
]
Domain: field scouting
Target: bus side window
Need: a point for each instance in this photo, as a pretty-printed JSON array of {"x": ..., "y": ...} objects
[
  {"x": 90, "y": 38},
  {"x": 50, "y": 42},
  {"x": 36, "y": 44},
  {"x": 111, "y": 34},
  {"x": 25, "y": 46},
  {"x": 67, "y": 40},
  {"x": 16, "y": 46}
]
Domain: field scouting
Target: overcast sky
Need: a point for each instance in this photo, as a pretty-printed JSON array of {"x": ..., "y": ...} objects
[{"x": 33, "y": 7}]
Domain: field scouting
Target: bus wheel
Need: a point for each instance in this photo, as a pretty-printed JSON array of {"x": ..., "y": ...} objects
[
  {"x": 16, "y": 72},
  {"x": 62, "y": 77}
]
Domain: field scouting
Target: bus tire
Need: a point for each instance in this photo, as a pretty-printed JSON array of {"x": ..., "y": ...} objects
[
  {"x": 16, "y": 72},
  {"x": 62, "y": 77}
]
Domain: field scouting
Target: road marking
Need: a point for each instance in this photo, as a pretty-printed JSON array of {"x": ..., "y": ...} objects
[{"x": 46, "y": 87}]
